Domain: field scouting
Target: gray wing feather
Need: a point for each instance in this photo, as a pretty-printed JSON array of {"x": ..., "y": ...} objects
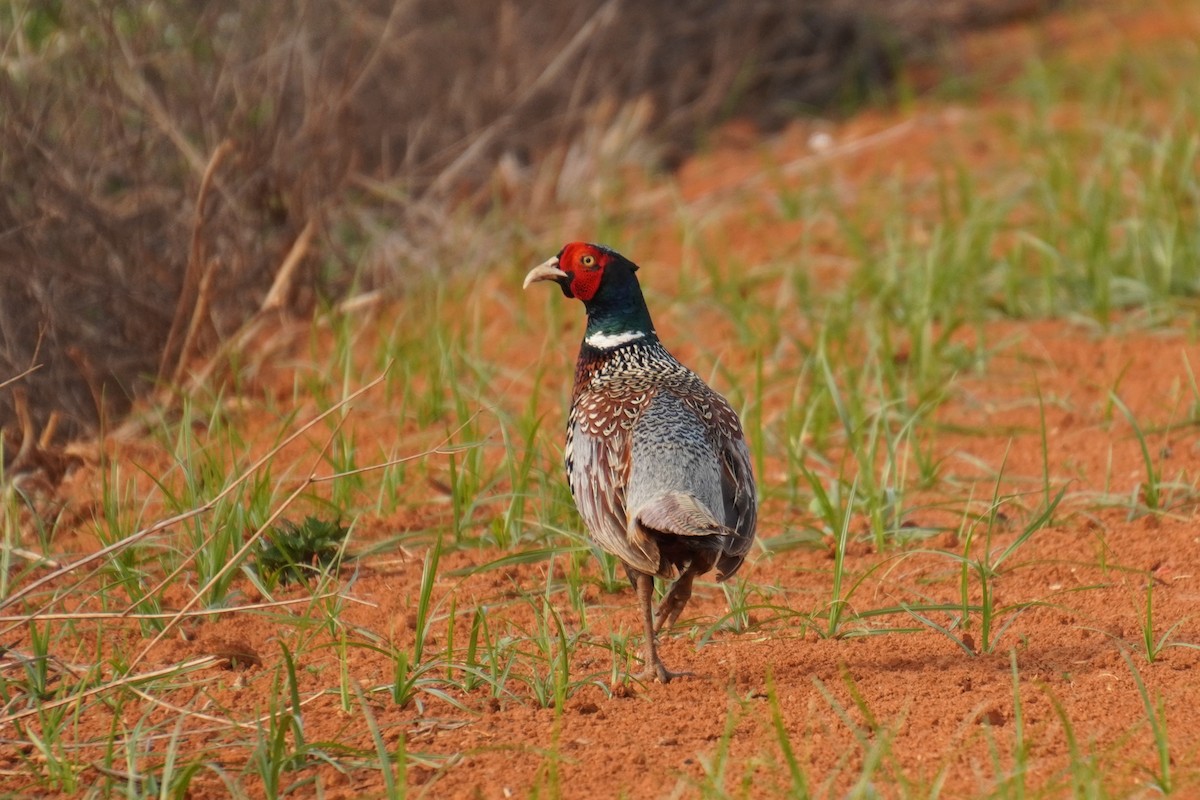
[
  {"x": 598, "y": 470},
  {"x": 681, "y": 514},
  {"x": 741, "y": 505}
]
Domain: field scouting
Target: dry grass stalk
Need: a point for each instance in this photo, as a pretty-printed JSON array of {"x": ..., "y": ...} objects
[
  {"x": 79, "y": 617},
  {"x": 83, "y": 616},
  {"x": 285, "y": 279},
  {"x": 170, "y": 522},
  {"x": 203, "y": 662},
  {"x": 192, "y": 292},
  {"x": 19, "y": 376}
]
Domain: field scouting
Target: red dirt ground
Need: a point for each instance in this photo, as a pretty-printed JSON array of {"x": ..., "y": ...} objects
[{"x": 940, "y": 715}]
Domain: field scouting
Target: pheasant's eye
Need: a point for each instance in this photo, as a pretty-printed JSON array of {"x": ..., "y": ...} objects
[{"x": 588, "y": 261}]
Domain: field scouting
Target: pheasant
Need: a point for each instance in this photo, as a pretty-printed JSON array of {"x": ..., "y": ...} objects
[{"x": 656, "y": 460}]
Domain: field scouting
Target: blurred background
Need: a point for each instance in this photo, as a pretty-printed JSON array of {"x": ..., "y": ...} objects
[{"x": 172, "y": 169}]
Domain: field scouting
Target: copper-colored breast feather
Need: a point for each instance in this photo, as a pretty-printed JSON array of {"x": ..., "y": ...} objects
[{"x": 597, "y": 456}]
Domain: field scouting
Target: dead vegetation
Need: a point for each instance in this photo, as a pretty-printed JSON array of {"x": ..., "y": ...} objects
[{"x": 173, "y": 169}]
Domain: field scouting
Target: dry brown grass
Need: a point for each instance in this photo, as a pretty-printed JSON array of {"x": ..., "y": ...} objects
[{"x": 162, "y": 162}]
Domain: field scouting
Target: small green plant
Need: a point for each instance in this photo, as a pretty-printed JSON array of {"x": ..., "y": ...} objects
[
  {"x": 1087, "y": 775},
  {"x": 874, "y": 737},
  {"x": 281, "y": 749},
  {"x": 1156, "y": 715},
  {"x": 37, "y": 666},
  {"x": 837, "y": 519},
  {"x": 392, "y": 767},
  {"x": 1013, "y": 781},
  {"x": 1152, "y": 646},
  {"x": 549, "y": 678},
  {"x": 293, "y": 552},
  {"x": 799, "y": 781},
  {"x": 718, "y": 764},
  {"x": 1151, "y": 488},
  {"x": 986, "y": 568}
]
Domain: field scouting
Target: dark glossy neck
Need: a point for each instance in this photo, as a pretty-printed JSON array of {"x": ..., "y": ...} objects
[{"x": 619, "y": 311}]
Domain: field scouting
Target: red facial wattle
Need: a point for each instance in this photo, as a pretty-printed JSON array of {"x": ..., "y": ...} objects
[
  {"x": 585, "y": 283},
  {"x": 585, "y": 265}
]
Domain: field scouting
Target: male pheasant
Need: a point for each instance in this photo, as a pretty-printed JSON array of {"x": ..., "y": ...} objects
[{"x": 656, "y": 460}]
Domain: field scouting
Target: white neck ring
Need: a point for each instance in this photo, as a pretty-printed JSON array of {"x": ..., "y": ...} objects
[{"x": 607, "y": 341}]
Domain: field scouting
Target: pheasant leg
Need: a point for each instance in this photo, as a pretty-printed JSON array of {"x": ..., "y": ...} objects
[
  {"x": 655, "y": 668},
  {"x": 673, "y": 604}
]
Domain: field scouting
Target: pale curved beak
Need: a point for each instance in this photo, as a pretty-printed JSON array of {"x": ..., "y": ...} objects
[{"x": 547, "y": 271}]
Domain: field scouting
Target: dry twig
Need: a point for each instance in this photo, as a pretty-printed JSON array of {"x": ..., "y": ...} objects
[{"x": 193, "y": 294}]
